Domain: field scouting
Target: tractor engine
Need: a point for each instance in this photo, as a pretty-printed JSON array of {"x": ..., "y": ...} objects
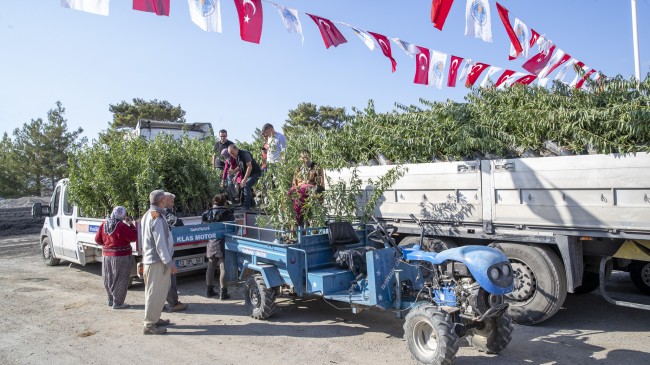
[{"x": 474, "y": 300}]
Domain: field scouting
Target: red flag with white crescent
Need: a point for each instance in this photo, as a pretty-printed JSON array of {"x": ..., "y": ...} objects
[
  {"x": 558, "y": 60},
  {"x": 159, "y": 7},
  {"x": 503, "y": 14},
  {"x": 329, "y": 32},
  {"x": 439, "y": 11},
  {"x": 474, "y": 73},
  {"x": 504, "y": 77},
  {"x": 534, "y": 36},
  {"x": 250, "y": 19},
  {"x": 526, "y": 80},
  {"x": 422, "y": 61},
  {"x": 384, "y": 44},
  {"x": 538, "y": 62},
  {"x": 453, "y": 70}
]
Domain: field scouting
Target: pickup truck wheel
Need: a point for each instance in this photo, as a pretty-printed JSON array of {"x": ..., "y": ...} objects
[
  {"x": 492, "y": 336},
  {"x": 258, "y": 298},
  {"x": 640, "y": 275},
  {"x": 540, "y": 282},
  {"x": 429, "y": 335},
  {"x": 47, "y": 254}
]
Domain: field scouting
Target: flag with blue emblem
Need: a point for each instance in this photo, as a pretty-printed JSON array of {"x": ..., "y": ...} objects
[
  {"x": 290, "y": 20},
  {"x": 99, "y": 7},
  {"x": 365, "y": 37},
  {"x": 523, "y": 35},
  {"x": 206, "y": 14},
  {"x": 437, "y": 69},
  {"x": 477, "y": 20},
  {"x": 409, "y": 48}
]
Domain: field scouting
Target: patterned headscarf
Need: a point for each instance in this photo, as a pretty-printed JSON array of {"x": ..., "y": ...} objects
[{"x": 119, "y": 213}]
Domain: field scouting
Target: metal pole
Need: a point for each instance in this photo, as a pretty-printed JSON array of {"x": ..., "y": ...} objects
[{"x": 635, "y": 40}]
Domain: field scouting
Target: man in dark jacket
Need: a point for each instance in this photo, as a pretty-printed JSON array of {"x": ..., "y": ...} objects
[
  {"x": 174, "y": 304},
  {"x": 250, "y": 170},
  {"x": 221, "y": 145}
]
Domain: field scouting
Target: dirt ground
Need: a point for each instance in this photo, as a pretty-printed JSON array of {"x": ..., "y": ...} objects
[{"x": 58, "y": 315}]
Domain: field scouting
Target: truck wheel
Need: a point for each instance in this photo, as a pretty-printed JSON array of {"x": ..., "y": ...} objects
[
  {"x": 429, "y": 335},
  {"x": 258, "y": 298},
  {"x": 492, "y": 336},
  {"x": 47, "y": 254},
  {"x": 540, "y": 282},
  {"x": 640, "y": 275}
]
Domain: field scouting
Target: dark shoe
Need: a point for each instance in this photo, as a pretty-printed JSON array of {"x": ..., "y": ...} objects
[
  {"x": 121, "y": 306},
  {"x": 154, "y": 330},
  {"x": 162, "y": 322},
  {"x": 178, "y": 307},
  {"x": 210, "y": 292},
  {"x": 223, "y": 294},
  {"x": 110, "y": 303}
]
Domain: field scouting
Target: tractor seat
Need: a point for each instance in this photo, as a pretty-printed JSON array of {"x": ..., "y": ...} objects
[{"x": 341, "y": 236}]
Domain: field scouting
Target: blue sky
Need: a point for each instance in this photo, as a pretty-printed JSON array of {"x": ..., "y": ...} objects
[{"x": 48, "y": 53}]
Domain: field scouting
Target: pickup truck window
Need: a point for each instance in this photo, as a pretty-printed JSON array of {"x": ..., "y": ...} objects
[
  {"x": 55, "y": 203},
  {"x": 67, "y": 206}
]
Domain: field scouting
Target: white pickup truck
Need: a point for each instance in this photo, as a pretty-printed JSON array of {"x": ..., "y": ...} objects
[
  {"x": 66, "y": 235},
  {"x": 560, "y": 220}
]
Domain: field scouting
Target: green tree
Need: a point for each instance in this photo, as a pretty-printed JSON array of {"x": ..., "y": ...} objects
[
  {"x": 127, "y": 114},
  {"x": 310, "y": 115},
  {"x": 10, "y": 187}
]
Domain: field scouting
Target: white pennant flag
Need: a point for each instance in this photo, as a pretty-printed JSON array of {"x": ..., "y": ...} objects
[
  {"x": 365, "y": 37},
  {"x": 206, "y": 14},
  {"x": 99, "y": 7},
  {"x": 544, "y": 44},
  {"x": 466, "y": 67},
  {"x": 477, "y": 20},
  {"x": 290, "y": 20},
  {"x": 543, "y": 82},
  {"x": 437, "y": 69},
  {"x": 409, "y": 48},
  {"x": 491, "y": 71},
  {"x": 523, "y": 35},
  {"x": 560, "y": 75}
]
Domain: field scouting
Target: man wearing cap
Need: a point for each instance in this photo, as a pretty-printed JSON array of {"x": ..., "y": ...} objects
[{"x": 158, "y": 249}]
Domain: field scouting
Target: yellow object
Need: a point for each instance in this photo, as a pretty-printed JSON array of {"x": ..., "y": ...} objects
[{"x": 634, "y": 250}]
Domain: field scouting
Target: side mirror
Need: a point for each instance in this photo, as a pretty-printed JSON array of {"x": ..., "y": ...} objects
[{"x": 39, "y": 210}]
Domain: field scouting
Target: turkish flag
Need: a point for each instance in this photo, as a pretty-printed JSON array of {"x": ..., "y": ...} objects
[
  {"x": 537, "y": 63},
  {"x": 474, "y": 73},
  {"x": 453, "y": 70},
  {"x": 160, "y": 7},
  {"x": 558, "y": 60},
  {"x": 581, "y": 82},
  {"x": 329, "y": 32},
  {"x": 439, "y": 11},
  {"x": 422, "y": 66},
  {"x": 526, "y": 80},
  {"x": 503, "y": 14},
  {"x": 384, "y": 44},
  {"x": 251, "y": 17},
  {"x": 504, "y": 77}
]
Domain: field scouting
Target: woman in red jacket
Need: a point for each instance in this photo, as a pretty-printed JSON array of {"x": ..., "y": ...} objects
[{"x": 116, "y": 235}]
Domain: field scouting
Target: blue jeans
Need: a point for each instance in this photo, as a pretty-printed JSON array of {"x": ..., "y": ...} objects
[{"x": 248, "y": 190}]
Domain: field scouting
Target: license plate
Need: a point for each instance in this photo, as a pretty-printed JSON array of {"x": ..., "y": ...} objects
[{"x": 189, "y": 262}]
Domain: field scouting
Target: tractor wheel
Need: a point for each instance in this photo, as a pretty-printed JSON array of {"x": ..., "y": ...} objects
[
  {"x": 429, "y": 335},
  {"x": 258, "y": 298},
  {"x": 540, "y": 282},
  {"x": 492, "y": 336},
  {"x": 640, "y": 275},
  {"x": 47, "y": 254}
]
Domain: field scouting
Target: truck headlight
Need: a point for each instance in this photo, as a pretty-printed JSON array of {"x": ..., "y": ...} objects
[
  {"x": 506, "y": 270},
  {"x": 495, "y": 273}
]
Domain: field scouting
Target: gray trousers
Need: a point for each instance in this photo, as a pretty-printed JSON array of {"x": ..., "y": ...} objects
[{"x": 116, "y": 271}]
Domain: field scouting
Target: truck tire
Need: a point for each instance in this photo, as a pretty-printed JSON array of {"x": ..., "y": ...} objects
[
  {"x": 258, "y": 298},
  {"x": 640, "y": 275},
  {"x": 47, "y": 254},
  {"x": 540, "y": 282},
  {"x": 429, "y": 335},
  {"x": 430, "y": 244},
  {"x": 493, "y": 336}
]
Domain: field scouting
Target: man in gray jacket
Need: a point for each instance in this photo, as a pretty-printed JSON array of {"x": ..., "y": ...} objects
[{"x": 158, "y": 249}]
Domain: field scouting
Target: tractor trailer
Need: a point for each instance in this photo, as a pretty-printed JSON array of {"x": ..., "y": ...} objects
[{"x": 564, "y": 222}]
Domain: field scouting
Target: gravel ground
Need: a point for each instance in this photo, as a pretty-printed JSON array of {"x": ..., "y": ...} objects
[{"x": 58, "y": 315}]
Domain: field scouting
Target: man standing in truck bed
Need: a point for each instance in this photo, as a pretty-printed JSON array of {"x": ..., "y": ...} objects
[
  {"x": 158, "y": 250},
  {"x": 221, "y": 145}
]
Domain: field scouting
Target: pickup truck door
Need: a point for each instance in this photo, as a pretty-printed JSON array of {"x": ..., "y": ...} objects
[
  {"x": 68, "y": 229},
  {"x": 55, "y": 222}
]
